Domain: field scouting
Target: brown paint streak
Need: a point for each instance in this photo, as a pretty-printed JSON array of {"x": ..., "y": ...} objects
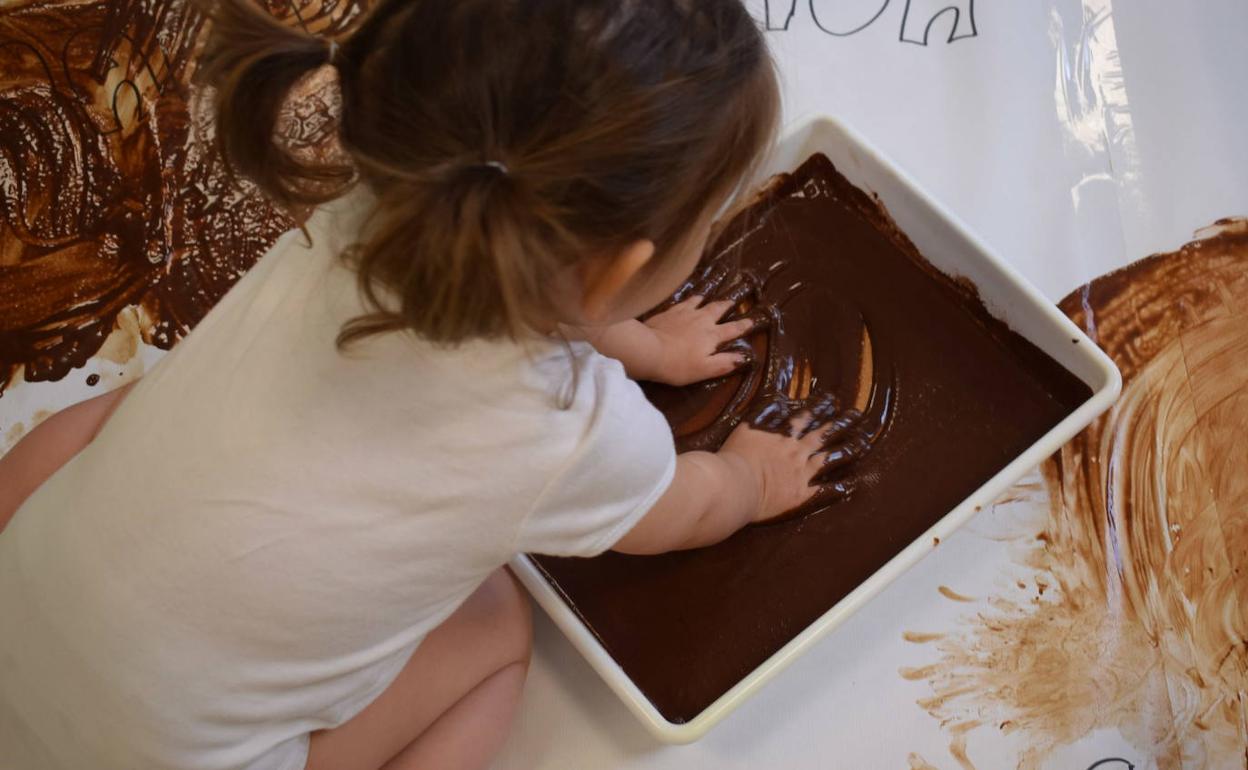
[
  {"x": 110, "y": 195},
  {"x": 917, "y": 762},
  {"x": 1140, "y": 623},
  {"x": 916, "y": 674},
  {"x": 949, "y": 593},
  {"x": 957, "y": 747}
]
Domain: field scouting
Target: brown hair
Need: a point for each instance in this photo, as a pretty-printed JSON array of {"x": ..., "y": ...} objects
[{"x": 504, "y": 139}]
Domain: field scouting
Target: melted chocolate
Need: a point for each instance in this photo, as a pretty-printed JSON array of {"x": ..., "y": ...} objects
[
  {"x": 110, "y": 193},
  {"x": 937, "y": 395}
]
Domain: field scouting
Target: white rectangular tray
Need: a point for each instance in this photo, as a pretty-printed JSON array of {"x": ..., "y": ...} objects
[{"x": 946, "y": 243}]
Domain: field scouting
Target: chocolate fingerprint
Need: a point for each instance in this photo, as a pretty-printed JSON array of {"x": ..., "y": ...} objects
[
  {"x": 1144, "y": 627},
  {"x": 110, "y": 194}
]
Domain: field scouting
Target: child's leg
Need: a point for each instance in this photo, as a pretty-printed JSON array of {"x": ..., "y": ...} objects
[{"x": 452, "y": 703}]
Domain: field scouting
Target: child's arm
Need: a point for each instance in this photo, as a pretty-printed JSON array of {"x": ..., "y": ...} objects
[
  {"x": 755, "y": 475},
  {"x": 679, "y": 346},
  {"x": 50, "y": 445}
]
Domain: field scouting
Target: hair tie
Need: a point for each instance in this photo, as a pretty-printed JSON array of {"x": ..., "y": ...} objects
[
  {"x": 498, "y": 165},
  {"x": 331, "y": 53}
]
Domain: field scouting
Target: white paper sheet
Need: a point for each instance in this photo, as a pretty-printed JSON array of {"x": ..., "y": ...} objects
[{"x": 1074, "y": 136}]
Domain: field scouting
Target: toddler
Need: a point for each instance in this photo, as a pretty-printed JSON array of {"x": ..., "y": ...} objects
[{"x": 283, "y": 547}]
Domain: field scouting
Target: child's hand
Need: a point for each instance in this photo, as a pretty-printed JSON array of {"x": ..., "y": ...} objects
[
  {"x": 756, "y": 475},
  {"x": 690, "y": 341},
  {"x": 787, "y": 467}
]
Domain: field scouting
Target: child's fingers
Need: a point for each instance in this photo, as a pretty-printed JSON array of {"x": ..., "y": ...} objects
[
  {"x": 822, "y": 409},
  {"x": 814, "y": 467},
  {"x": 771, "y": 415},
  {"x": 826, "y": 491},
  {"x": 736, "y": 345},
  {"x": 726, "y": 332},
  {"x": 837, "y": 457},
  {"x": 725, "y": 363},
  {"x": 811, "y": 437},
  {"x": 835, "y": 435},
  {"x": 832, "y": 491},
  {"x": 760, "y": 317},
  {"x": 798, "y": 424},
  {"x": 708, "y": 283},
  {"x": 717, "y": 309},
  {"x": 820, "y": 473},
  {"x": 839, "y": 426},
  {"x": 743, "y": 288},
  {"x": 692, "y": 302}
]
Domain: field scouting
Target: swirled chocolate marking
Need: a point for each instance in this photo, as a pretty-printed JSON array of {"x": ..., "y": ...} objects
[
  {"x": 1135, "y": 616},
  {"x": 110, "y": 194}
]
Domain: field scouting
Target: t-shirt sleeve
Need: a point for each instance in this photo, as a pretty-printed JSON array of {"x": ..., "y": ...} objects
[{"x": 622, "y": 465}]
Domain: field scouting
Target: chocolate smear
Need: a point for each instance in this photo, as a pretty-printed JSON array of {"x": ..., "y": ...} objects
[
  {"x": 1144, "y": 624},
  {"x": 111, "y": 195}
]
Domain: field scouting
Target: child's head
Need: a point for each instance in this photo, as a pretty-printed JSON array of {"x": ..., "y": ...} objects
[{"x": 534, "y": 161}]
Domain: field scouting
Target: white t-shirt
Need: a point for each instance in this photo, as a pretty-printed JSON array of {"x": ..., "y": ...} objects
[{"x": 265, "y": 529}]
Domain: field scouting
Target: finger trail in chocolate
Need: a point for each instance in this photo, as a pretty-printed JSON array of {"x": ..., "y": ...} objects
[{"x": 946, "y": 396}]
